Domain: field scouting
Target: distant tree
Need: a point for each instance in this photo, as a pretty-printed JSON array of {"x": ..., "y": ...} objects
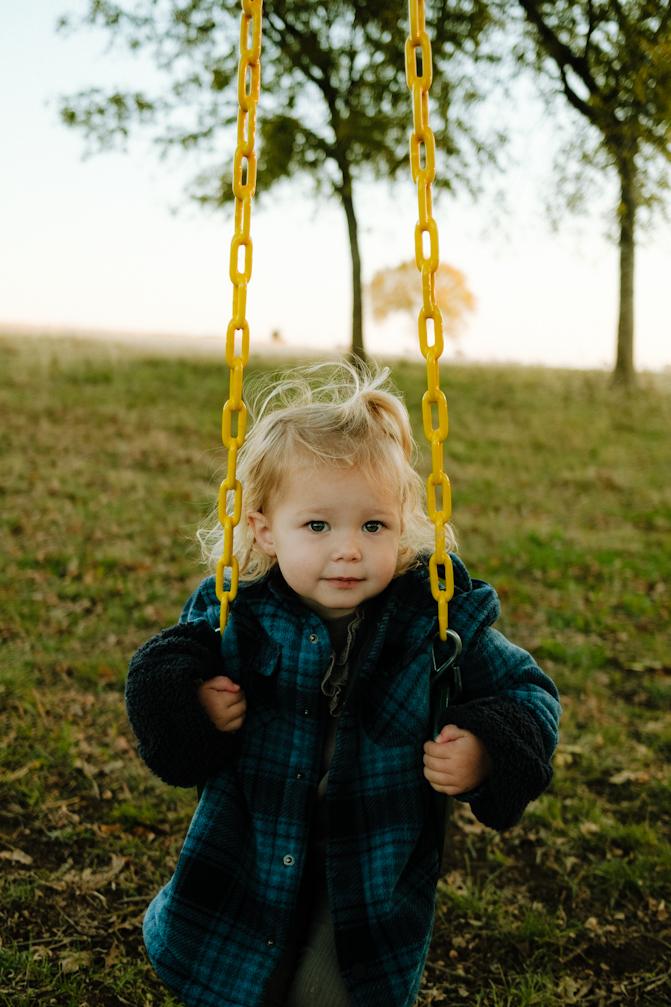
[
  {"x": 612, "y": 62},
  {"x": 397, "y": 289},
  {"x": 335, "y": 105}
]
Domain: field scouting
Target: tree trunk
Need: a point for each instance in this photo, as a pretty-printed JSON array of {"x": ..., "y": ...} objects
[
  {"x": 624, "y": 365},
  {"x": 357, "y": 352}
]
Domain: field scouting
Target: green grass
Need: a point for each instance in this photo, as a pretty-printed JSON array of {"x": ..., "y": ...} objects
[{"x": 109, "y": 461}]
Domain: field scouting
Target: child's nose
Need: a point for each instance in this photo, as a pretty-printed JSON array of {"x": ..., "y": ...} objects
[{"x": 347, "y": 548}]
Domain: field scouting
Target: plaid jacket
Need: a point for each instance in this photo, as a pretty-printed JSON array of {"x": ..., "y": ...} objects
[{"x": 218, "y": 929}]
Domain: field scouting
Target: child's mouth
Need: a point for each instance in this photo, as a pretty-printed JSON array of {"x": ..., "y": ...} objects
[{"x": 344, "y": 582}]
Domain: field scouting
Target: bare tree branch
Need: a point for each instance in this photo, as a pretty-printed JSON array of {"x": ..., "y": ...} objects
[{"x": 560, "y": 53}]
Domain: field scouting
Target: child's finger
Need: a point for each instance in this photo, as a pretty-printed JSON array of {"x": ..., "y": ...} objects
[
  {"x": 236, "y": 709},
  {"x": 234, "y": 725},
  {"x": 442, "y": 783},
  {"x": 437, "y": 750},
  {"x": 437, "y": 775},
  {"x": 221, "y": 683},
  {"x": 437, "y": 763},
  {"x": 224, "y": 716},
  {"x": 449, "y": 733}
]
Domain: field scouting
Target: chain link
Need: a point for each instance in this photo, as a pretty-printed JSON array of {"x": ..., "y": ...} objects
[
  {"x": 419, "y": 73},
  {"x": 234, "y": 414}
]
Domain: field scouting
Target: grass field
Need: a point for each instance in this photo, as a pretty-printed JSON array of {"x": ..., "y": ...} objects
[{"x": 562, "y": 499}]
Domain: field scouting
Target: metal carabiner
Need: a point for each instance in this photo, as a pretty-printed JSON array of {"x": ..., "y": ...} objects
[{"x": 439, "y": 670}]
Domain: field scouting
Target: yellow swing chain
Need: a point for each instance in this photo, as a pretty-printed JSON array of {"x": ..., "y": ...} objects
[
  {"x": 423, "y": 169},
  {"x": 234, "y": 416},
  {"x": 422, "y": 164}
]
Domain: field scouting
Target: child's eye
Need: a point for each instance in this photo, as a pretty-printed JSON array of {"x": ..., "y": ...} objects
[
  {"x": 317, "y": 526},
  {"x": 373, "y": 526}
]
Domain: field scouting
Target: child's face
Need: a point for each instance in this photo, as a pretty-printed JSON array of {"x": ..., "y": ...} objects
[{"x": 335, "y": 535}]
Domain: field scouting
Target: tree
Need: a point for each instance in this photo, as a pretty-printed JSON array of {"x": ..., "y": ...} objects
[
  {"x": 396, "y": 290},
  {"x": 612, "y": 62},
  {"x": 335, "y": 105}
]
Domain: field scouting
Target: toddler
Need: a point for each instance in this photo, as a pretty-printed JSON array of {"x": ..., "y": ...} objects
[{"x": 308, "y": 875}]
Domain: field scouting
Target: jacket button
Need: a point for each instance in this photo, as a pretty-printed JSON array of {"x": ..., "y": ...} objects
[
  {"x": 288, "y": 860},
  {"x": 313, "y": 638},
  {"x": 306, "y": 711},
  {"x": 270, "y": 942},
  {"x": 299, "y": 776}
]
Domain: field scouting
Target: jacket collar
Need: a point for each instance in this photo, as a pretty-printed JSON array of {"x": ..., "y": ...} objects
[{"x": 405, "y": 606}]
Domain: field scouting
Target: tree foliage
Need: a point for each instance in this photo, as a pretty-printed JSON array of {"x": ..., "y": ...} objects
[
  {"x": 334, "y": 108},
  {"x": 611, "y": 60},
  {"x": 396, "y": 290}
]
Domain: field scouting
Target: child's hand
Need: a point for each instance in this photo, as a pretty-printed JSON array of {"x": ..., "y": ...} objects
[
  {"x": 224, "y": 702},
  {"x": 456, "y": 761}
]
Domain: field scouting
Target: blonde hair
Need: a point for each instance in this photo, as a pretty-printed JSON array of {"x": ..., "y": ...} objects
[{"x": 338, "y": 415}]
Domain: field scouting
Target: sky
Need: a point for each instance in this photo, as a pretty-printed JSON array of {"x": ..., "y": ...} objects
[{"x": 108, "y": 243}]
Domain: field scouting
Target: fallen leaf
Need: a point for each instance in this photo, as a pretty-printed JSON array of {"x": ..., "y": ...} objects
[
  {"x": 92, "y": 881},
  {"x": 74, "y": 961},
  {"x": 16, "y": 857},
  {"x": 18, "y": 774},
  {"x": 113, "y": 766},
  {"x": 108, "y": 828},
  {"x": 630, "y": 776},
  {"x": 114, "y": 955},
  {"x": 573, "y": 990}
]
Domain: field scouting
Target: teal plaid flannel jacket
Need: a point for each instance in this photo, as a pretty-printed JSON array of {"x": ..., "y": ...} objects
[{"x": 219, "y": 928}]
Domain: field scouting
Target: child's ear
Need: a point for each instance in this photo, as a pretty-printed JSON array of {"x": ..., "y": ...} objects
[{"x": 262, "y": 532}]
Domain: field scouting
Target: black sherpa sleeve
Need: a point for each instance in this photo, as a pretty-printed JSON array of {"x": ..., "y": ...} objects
[
  {"x": 520, "y": 769},
  {"x": 176, "y": 738},
  {"x": 513, "y": 707}
]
